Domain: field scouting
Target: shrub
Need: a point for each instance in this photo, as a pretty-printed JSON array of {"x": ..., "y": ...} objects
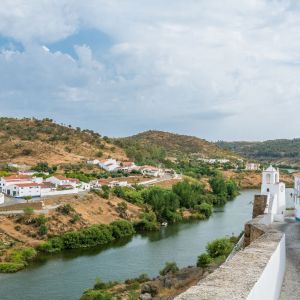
[
  {"x": 28, "y": 211},
  {"x": 43, "y": 229},
  {"x": 40, "y": 220},
  {"x": 205, "y": 209},
  {"x": 204, "y": 260},
  {"x": 121, "y": 229},
  {"x": 75, "y": 218},
  {"x": 65, "y": 209},
  {"x": 8, "y": 267},
  {"x": 170, "y": 267},
  {"x": 96, "y": 295},
  {"x": 219, "y": 247}
]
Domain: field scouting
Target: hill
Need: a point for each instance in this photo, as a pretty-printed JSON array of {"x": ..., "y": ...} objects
[
  {"x": 159, "y": 145},
  {"x": 281, "y": 151},
  {"x": 28, "y": 141}
]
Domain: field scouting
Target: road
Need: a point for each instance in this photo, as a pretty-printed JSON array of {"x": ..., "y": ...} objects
[{"x": 291, "y": 288}]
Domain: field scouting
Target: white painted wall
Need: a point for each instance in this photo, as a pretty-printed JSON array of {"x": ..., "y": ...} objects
[
  {"x": 1, "y": 198},
  {"x": 269, "y": 284},
  {"x": 55, "y": 192}
]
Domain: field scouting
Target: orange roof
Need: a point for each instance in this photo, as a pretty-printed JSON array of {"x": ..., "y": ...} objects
[
  {"x": 17, "y": 177},
  {"x": 296, "y": 174},
  {"x": 127, "y": 163}
]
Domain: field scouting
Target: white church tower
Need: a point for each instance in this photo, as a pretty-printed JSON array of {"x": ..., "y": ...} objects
[{"x": 275, "y": 190}]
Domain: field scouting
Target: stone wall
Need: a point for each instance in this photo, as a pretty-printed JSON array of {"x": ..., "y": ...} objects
[
  {"x": 253, "y": 230},
  {"x": 259, "y": 205},
  {"x": 244, "y": 276}
]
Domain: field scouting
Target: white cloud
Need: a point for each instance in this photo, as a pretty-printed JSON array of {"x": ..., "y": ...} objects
[{"x": 226, "y": 69}]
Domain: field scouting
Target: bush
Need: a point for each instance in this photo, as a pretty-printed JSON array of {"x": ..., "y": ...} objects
[
  {"x": 43, "y": 229},
  {"x": 219, "y": 247},
  {"x": 205, "y": 209},
  {"x": 75, "y": 218},
  {"x": 170, "y": 267},
  {"x": 28, "y": 211},
  {"x": 121, "y": 229},
  {"x": 8, "y": 267},
  {"x": 96, "y": 295},
  {"x": 65, "y": 209},
  {"x": 40, "y": 220},
  {"x": 204, "y": 260}
]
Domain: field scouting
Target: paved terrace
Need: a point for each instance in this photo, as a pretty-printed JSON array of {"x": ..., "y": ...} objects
[{"x": 291, "y": 285}]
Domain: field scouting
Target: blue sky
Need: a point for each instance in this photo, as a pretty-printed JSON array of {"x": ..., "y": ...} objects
[{"x": 215, "y": 69}]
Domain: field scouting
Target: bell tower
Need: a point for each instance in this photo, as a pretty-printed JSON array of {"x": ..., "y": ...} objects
[{"x": 270, "y": 179}]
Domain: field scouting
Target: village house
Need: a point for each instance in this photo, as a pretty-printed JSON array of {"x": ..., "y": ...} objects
[
  {"x": 18, "y": 190},
  {"x": 151, "y": 171},
  {"x": 252, "y": 167},
  {"x": 13, "y": 179},
  {"x": 127, "y": 166},
  {"x": 109, "y": 165},
  {"x": 93, "y": 162}
]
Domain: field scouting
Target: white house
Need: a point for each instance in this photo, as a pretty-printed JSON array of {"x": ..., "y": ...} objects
[
  {"x": 59, "y": 180},
  {"x": 151, "y": 171},
  {"x": 12, "y": 179},
  {"x": 1, "y": 198},
  {"x": 109, "y": 165},
  {"x": 275, "y": 190},
  {"x": 93, "y": 162},
  {"x": 18, "y": 190},
  {"x": 127, "y": 166},
  {"x": 252, "y": 167}
]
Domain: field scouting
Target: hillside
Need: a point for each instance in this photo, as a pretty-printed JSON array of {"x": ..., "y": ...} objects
[
  {"x": 159, "y": 145},
  {"x": 28, "y": 141},
  {"x": 282, "y": 151}
]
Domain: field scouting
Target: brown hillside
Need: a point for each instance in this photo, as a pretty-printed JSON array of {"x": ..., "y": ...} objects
[
  {"x": 177, "y": 145},
  {"x": 30, "y": 141}
]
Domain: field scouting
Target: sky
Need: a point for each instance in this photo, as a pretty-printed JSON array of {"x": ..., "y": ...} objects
[{"x": 220, "y": 70}]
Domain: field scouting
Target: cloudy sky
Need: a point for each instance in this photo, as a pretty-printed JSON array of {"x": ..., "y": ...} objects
[{"x": 216, "y": 69}]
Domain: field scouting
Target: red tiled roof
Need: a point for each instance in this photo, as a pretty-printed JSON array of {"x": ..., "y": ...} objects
[{"x": 17, "y": 177}]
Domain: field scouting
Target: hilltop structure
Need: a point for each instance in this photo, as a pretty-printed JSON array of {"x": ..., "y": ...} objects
[{"x": 275, "y": 192}]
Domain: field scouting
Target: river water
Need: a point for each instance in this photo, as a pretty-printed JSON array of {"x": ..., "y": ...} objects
[{"x": 66, "y": 275}]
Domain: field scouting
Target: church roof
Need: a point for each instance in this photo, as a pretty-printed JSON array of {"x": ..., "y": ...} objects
[{"x": 271, "y": 169}]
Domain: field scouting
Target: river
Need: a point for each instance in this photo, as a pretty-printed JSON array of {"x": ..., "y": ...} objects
[{"x": 66, "y": 275}]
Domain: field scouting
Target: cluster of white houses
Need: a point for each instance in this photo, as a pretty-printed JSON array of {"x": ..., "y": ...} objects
[
  {"x": 112, "y": 165},
  {"x": 20, "y": 186}
]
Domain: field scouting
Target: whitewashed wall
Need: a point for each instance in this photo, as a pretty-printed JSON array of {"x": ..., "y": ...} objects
[{"x": 269, "y": 284}]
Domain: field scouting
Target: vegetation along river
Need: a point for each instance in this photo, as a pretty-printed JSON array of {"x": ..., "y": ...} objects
[{"x": 66, "y": 275}]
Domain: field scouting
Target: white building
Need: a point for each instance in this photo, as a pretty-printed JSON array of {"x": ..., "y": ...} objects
[
  {"x": 19, "y": 190},
  {"x": 109, "y": 165},
  {"x": 127, "y": 166},
  {"x": 59, "y": 180},
  {"x": 93, "y": 162},
  {"x": 1, "y": 198},
  {"x": 151, "y": 171},
  {"x": 252, "y": 167},
  {"x": 13, "y": 179},
  {"x": 275, "y": 190}
]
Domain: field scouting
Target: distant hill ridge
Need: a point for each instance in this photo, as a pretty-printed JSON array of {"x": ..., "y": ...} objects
[
  {"x": 171, "y": 145},
  {"x": 281, "y": 151},
  {"x": 29, "y": 140}
]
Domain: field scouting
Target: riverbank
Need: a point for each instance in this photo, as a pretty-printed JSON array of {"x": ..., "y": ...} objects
[
  {"x": 84, "y": 222},
  {"x": 171, "y": 281},
  {"x": 66, "y": 274}
]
